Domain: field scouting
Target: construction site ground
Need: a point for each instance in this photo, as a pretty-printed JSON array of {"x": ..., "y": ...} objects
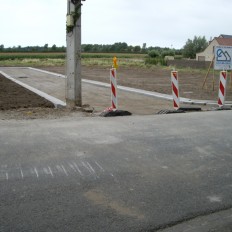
[{"x": 17, "y": 102}]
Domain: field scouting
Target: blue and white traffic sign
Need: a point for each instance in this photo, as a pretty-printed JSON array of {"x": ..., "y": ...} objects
[{"x": 223, "y": 58}]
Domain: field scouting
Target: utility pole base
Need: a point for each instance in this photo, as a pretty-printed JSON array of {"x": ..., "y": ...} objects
[{"x": 72, "y": 103}]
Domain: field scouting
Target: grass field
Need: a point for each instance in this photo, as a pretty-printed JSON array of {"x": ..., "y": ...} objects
[
  {"x": 88, "y": 59},
  {"x": 57, "y": 59}
]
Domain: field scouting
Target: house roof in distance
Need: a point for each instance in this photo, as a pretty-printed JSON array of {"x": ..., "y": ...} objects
[
  {"x": 225, "y": 36},
  {"x": 224, "y": 41}
]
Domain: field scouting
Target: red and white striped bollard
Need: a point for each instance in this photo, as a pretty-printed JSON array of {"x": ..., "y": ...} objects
[
  {"x": 222, "y": 88},
  {"x": 175, "y": 90},
  {"x": 113, "y": 82}
]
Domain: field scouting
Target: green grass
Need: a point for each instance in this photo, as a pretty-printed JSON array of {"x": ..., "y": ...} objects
[
  {"x": 88, "y": 59},
  {"x": 58, "y": 59},
  {"x": 60, "y": 55},
  {"x": 33, "y": 62},
  {"x": 30, "y": 55}
]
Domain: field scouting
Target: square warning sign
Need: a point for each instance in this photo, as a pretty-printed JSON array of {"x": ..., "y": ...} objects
[{"x": 223, "y": 58}]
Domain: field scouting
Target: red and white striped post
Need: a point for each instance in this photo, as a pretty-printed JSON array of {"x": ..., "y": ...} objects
[
  {"x": 113, "y": 82},
  {"x": 175, "y": 90},
  {"x": 222, "y": 88}
]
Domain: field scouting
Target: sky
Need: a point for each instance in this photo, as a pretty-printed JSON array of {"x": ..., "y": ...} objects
[{"x": 165, "y": 23}]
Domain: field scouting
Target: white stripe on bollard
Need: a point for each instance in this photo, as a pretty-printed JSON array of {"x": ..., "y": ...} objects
[
  {"x": 113, "y": 82},
  {"x": 175, "y": 89},
  {"x": 222, "y": 88}
]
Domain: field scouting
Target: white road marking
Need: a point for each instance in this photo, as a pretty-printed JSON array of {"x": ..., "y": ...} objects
[
  {"x": 59, "y": 168},
  {"x": 90, "y": 167},
  {"x": 72, "y": 167},
  {"x": 93, "y": 168},
  {"x": 214, "y": 199},
  {"x": 36, "y": 172},
  {"x": 86, "y": 167},
  {"x": 64, "y": 170},
  {"x": 50, "y": 170},
  {"x": 78, "y": 169},
  {"x": 99, "y": 166},
  {"x": 21, "y": 171}
]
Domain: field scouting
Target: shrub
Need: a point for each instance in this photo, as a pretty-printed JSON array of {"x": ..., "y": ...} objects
[
  {"x": 168, "y": 53},
  {"x": 155, "y": 61},
  {"x": 153, "y": 54}
]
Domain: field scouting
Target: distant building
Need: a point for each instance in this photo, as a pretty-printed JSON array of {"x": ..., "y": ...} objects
[
  {"x": 208, "y": 53},
  {"x": 225, "y": 36}
]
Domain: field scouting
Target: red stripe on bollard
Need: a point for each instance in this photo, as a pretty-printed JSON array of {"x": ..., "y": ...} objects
[
  {"x": 175, "y": 89},
  {"x": 222, "y": 88}
]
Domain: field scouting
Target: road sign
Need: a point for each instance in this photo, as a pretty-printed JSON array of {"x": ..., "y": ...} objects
[{"x": 223, "y": 58}]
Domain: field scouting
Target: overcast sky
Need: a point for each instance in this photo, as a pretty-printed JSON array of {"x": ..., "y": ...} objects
[{"x": 164, "y": 23}]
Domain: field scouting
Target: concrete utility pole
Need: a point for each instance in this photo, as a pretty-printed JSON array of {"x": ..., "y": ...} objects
[{"x": 73, "y": 54}]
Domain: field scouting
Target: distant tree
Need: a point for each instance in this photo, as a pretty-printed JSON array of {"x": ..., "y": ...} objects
[
  {"x": 63, "y": 49},
  {"x": 45, "y": 47},
  {"x": 144, "y": 48},
  {"x": 54, "y": 47},
  {"x": 137, "y": 49},
  {"x": 154, "y": 53},
  {"x": 1, "y": 47},
  {"x": 130, "y": 48},
  {"x": 120, "y": 47},
  {"x": 168, "y": 53},
  {"x": 87, "y": 47},
  {"x": 198, "y": 44}
]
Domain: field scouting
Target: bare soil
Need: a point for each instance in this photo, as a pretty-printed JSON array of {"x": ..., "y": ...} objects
[
  {"x": 13, "y": 96},
  {"x": 19, "y": 103}
]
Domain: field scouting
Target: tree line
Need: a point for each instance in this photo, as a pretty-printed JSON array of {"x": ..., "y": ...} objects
[
  {"x": 44, "y": 48},
  {"x": 189, "y": 50},
  {"x": 91, "y": 48}
]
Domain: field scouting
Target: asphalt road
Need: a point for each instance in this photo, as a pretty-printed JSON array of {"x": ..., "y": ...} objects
[{"x": 139, "y": 173}]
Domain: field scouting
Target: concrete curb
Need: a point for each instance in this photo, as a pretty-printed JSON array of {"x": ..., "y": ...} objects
[
  {"x": 47, "y": 72},
  {"x": 57, "y": 103}
]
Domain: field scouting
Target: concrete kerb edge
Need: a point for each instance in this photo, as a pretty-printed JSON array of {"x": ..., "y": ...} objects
[
  {"x": 56, "y": 102},
  {"x": 47, "y": 72},
  {"x": 155, "y": 94}
]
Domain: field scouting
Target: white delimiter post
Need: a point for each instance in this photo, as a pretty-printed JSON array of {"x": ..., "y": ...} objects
[{"x": 73, "y": 60}]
